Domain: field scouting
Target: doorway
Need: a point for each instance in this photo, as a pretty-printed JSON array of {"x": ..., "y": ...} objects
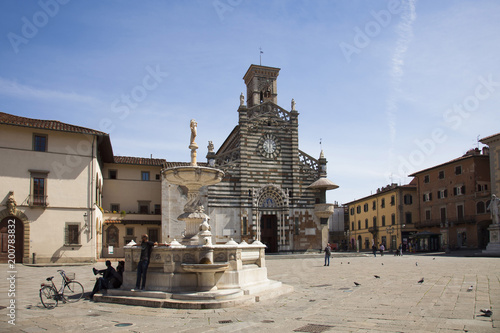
[
  {"x": 11, "y": 247},
  {"x": 269, "y": 232}
]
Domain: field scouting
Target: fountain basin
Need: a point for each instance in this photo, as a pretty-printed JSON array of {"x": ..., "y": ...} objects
[
  {"x": 193, "y": 177},
  {"x": 207, "y": 274}
]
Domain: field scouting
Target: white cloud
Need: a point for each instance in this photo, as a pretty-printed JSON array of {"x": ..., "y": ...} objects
[{"x": 16, "y": 90}]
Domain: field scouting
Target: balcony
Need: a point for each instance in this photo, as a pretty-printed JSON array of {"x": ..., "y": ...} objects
[
  {"x": 428, "y": 224},
  {"x": 468, "y": 219},
  {"x": 38, "y": 201},
  {"x": 323, "y": 210}
]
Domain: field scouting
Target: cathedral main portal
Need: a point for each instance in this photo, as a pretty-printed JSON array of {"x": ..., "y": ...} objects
[{"x": 269, "y": 232}]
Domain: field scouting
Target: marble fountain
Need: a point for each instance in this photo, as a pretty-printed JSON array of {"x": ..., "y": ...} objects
[{"x": 194, "y": 273}]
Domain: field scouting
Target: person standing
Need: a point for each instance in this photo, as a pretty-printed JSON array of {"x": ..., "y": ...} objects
[
  {"x": 374, "y": 250},
  {"x": 142, "y": 266},
  {"x": 382, "y": 248},
  {"x": 328, "y": 253}
]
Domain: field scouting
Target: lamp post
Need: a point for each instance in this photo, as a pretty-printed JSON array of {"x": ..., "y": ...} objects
[
  {"x": 346, "y": 235},
  {"x": 389, "y": 231}
]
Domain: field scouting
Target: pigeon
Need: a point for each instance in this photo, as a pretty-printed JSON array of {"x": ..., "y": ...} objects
[
  {"x": 377, "y": 277},
  {"x": 348, "y": 262},
  {"x": 416, "y": 264},
  {"x": 433, "y": 258},
  {"x": 486, "y": 312},
  {"x": 421, "y": 280},
  {"x": 382, "y": 264},
  {"x": 470, "y": 288},
  {"x": 357, "y": 284}
]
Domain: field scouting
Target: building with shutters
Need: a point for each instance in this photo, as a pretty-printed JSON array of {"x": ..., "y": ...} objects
[{"x": 453, "y": 198}]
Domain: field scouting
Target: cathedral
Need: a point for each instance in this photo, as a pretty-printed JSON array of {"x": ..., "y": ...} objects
[{"x": 272, "y": 191}]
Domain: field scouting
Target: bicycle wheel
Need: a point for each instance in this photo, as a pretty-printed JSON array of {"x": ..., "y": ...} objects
[
  {"x": 48, "y": 297},
  {"x": 73, "y": 291}
]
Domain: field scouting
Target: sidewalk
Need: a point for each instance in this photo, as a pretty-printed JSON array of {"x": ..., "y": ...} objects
[{"x": 325, "y": 299}]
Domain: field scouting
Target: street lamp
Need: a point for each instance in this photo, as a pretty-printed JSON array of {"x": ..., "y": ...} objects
[
  {"x": 346, "y": 235},
  {"x": 390, "y": 230}
]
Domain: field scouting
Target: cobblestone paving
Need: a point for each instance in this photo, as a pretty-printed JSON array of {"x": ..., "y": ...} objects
[{"x": 325, "y": 299}]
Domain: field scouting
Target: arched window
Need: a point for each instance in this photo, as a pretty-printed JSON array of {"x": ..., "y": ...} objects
[{"x": 480, "y": 208}]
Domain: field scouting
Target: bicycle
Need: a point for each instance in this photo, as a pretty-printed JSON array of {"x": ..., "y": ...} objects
[{"x": 71, "y": 291}]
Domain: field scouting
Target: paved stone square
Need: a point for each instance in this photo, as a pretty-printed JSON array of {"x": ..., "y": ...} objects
[{"x": 325, "y": 299}]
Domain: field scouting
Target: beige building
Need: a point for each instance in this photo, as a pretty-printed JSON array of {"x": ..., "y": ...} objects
[
  {"x": 386, "y": 217},
  {"x": 51, "y": 183},
  {"x": 131, "y": 202}
]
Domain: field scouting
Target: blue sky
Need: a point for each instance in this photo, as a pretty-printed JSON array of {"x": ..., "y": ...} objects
[{"x": 390, "y": 87}]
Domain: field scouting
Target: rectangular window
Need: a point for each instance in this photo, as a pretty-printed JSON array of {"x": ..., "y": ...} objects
[
  {"x": 154, "y": 235},
  {"x": 38, "y": 188},
  {"x": 408, "y": 218},
  {"x": 458, "y": 170},
  {"x": 115, "y": 208},
  {"x": 157, "y": 209},
  {"x": 352, "y": 225},
  {"x": 426, "y": 179},
  {"x": 358, "y": 209},
  {"x": 393, "y": 200},
  {"x": 72, "y": 231},
  {"x": 38, "y": 191},
  {"x": 129, "y": 231},
  {"x": 39, "y": 142},
  {"x": 383, "y": 220},
  {"x": 244, "y": 226},
  {"x": 460, "y": 212},
  {"x": 459, "y": 190},
  {"x": 143, "y": 207},
  {"x": 441, "y": 175},
  {"x": 443, "y": 215},
  {"x": 393, "y": 219},
  {"x": 359, "y": 225},
  {"x": 366, "y": 223},
  {"x": 145, "y": 175},
  {"x": 428, "y": 214},
  {"x": 365, "y": 207},
  {"x": 382, "y": 203},
  {"x": 157, "y": 176},
  {"x": 442, "y": 194},
  {"x": 374, "y": 206},
  {"x": 112, "y": 174},
  {"x": 352, "y": 211}
]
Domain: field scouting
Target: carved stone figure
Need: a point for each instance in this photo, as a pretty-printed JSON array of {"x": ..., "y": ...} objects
[
  {"x": 193, "y": 126},
  {"x": 210, "y": 147},
  {"x": 293, "y": 104},
  {"x": 242, "y": 100},
  {"x": 11, "y": 204},
  {"x": 493, "y": 207}
]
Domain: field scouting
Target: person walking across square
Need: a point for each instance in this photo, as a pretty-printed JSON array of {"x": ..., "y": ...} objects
[{"x": 328, "y": 253}]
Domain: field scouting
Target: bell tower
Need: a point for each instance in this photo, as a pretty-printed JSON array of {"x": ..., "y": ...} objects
[{"x": 261, "y": 84}]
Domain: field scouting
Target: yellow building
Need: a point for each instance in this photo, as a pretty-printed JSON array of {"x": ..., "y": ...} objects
[{"x": 386, "y": 217}]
